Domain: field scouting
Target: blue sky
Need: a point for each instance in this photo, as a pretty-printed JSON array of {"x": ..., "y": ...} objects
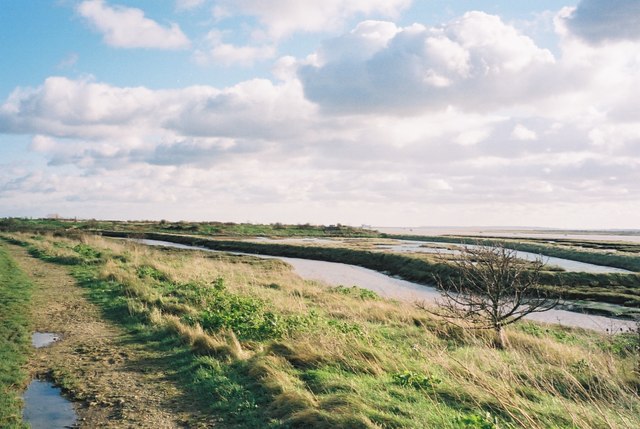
[
  {"x": 53, "y": 39},
  {"x": 385, "y": 112}
]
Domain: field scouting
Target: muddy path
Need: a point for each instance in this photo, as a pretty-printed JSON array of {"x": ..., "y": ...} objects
[{"x": 116, "y": 381}]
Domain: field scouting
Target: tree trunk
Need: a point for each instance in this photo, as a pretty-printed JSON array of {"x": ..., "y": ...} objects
[{"x": 501, "y": 338}]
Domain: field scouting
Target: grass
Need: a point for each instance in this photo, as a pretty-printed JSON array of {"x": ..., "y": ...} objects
[
  {"x": 619, "y": 289},
  {"x": 15, "y": 292},
  {"x": 260, "y": 347},
  {"x": 622, "y": 290},
  {"x": 558, "y": 248}
]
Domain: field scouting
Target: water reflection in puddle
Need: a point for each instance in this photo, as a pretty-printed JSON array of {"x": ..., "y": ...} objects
[
  {"x": 45, "y": 407},
  {"x": 43, "y": 339}
]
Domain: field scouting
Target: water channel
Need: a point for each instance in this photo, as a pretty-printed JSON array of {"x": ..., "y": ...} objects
[
  {"x": 335, "y": 274},
  {"x": 566, "y": 264},
  {"x": 414, "y": 246}
]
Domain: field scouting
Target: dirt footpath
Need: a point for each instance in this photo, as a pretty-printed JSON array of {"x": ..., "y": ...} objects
[{"x": 94, "y": 361}]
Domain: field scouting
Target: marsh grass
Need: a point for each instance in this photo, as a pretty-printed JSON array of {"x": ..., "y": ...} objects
[
  {"x": 622, "y": 290},
  {"x": 284, "y": 352},
  {"x": 566, "y": 249}
]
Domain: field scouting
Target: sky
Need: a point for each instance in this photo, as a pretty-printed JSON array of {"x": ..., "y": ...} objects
[{"x": 376, "y": 112}]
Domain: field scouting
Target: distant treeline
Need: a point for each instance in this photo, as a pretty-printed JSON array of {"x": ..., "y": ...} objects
[{"x": 194, "y": 228}]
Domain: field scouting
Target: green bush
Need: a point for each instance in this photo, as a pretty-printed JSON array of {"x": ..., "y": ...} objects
[
  {"x": 416, "y": 380},
  {"x": 87, "y": 253},
  {"x": 364, "y": 294},
  {"x": 245, "y": 316},
  {"x": 147, "y": 271},
  {"x": 476, "y": 421}
]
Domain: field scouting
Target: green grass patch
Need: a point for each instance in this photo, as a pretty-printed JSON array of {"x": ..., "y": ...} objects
[{"x": 15, "y": 294}]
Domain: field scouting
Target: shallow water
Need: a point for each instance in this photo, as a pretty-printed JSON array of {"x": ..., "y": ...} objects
[
  {"x": 336, "y": 274},
  {"x": 570, "y": 265},
  {"x": 631, "y": 236},
  {"x": 43, "y": 339},
  {"x": 411, "y": 246},
  {"x": 46, "y": 408},
  {"x": 566, "y": 264}
]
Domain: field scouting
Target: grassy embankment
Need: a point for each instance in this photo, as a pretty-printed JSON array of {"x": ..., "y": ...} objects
[
  {"x": 271, "y": 350},
  {"x": 15, "y": 292},
  {"x": 618, "y": 289},
  {"x": 618, "y": 293}
]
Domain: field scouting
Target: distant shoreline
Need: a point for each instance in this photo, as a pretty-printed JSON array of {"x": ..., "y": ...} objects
[{"x": 630, "y": 235}]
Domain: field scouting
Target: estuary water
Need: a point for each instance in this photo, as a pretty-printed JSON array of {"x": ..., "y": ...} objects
[
  {"x": 411, "y": 246},
  {"x": 335, "y": 274}
]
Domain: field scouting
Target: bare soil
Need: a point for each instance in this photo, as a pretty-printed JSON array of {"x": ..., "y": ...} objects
[{"x": 116, "y": 383}]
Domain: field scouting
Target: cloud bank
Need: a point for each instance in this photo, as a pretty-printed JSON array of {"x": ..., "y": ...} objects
[
  {"x": 124, "y": 27},
  {"x": 385, "y": 124},
  {"x": 281, "y": 18},
  {"x": 598, "y": 20},
  {"x": 464, "y": 63}
]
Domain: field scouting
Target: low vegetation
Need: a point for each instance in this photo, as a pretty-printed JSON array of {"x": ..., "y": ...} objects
[
  {"x": 268, "y": 349},
  {"x": 15, "y": 292},
  {"x": 618, "y": 289},
  {"x": 192, "y": 228},
  {"x": 575, "y": 250},
  {"x": 619, "y": 292}
]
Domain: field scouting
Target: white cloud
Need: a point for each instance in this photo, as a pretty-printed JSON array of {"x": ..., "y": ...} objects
[
  {"x": 42, "y": 143},
  {"x": 475, "y": 62},
  {"x": 520, "y": 132},
  {"x": 367, "y": 38},
  {"x": 64, "y": 107},
  {"x": 256, "y": 130},
  {"x": 472, "y": 137},
  {"x": 284, "y": 17},
  {"x": 125, "y": 27},
  {"x": 218, "y": 52},
  {"x": 101, "y": 123},
  {"x": 188, "y": 4}
]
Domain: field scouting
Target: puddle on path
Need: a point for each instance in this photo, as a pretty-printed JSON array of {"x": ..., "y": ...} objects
[
  {"x": 46, "y": 408},
  {"x": 44, "y": 339}
]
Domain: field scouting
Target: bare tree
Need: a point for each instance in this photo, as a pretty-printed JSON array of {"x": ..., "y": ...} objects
[{"x": 492, "y": 289}]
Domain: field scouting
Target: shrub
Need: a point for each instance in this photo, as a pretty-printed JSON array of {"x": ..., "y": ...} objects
[
  {"x": 245, "y": 316},
  {"x": 416, "y": 380}
]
